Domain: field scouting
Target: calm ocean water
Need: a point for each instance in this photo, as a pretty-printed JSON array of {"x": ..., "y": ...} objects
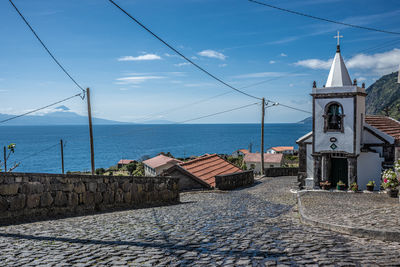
[{"x": 38, "y": 151}]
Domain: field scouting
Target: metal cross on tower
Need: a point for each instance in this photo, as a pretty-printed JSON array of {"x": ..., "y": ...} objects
[{"x": 338, "y": 36}]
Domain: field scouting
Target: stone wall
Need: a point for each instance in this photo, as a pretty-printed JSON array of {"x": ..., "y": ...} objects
[
  {"x": 26, "y": 196},
  {"x": 275, "y": 172},
  {"x": 234, "y": 180}
]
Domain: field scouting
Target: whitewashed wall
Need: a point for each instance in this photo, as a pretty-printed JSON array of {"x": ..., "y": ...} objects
[
  {"x": 310, "y": 162},
  {"x": 369, "y": 169},
  {"x": 344, "y": 140}
]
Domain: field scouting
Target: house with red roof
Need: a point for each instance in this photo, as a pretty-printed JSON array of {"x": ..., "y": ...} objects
[
  {"x": 281, "y": 149},
  {"x": 200, "y": 173},
  {"x": 240, "y": 152},
  {"x": 124, "y": 162},
  {"x": 253, "y": 161},
  {"x": 156, "y": 165},
  {"x": 345, "y": 143}
]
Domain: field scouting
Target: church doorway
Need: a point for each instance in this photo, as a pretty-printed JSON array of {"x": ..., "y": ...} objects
[{"x": 338, "y": 171}]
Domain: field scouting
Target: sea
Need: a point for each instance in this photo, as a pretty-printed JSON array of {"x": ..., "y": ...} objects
[{"x": 38, "y": 147}]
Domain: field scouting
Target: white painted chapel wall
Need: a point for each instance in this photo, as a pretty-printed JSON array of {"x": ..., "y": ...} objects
[
  {"x": 368, "y": 169},
  {"x": 344, "y": 140}
]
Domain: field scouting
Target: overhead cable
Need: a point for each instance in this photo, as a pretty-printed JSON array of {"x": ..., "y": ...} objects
[
  {"x": 180, "y": 54},
  {"x": 218, "y": 113},
  {"x": 39, "y": 152},
  {"x": 38, "y": 109},
  {"x": 323, "y": 19},
  {"x": 47, "y": 50}
]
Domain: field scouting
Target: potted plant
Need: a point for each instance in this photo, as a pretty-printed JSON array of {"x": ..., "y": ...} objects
[
  {"x": 390, "y": 182},
  {"x": 370, "y": 186},
  {"x": 354, "y": 187},
  {"x": 326, "y": 185},
  {"x": 341, "y": 186}
]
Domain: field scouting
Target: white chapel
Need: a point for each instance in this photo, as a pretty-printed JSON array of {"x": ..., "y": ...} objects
[{"x": 345, "y": 144}]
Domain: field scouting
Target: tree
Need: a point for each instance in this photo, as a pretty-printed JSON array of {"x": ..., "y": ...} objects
[
  {"x": 11, "y": 150},
  {"x": 100, "y": 171},
  {"x": 131, "y": 167},
  {"x": 139, "y": 171}
]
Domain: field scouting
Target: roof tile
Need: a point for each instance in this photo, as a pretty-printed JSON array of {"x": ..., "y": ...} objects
[{"x": 208, "y": 166}]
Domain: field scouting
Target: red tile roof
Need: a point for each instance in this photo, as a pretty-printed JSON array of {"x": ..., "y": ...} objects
[
  {"x": 160, "y": 160},
  {"x": 208, "y": 166},
  {"x": 244, "y": 151},
  {"x": 125, "y": 161},
  {"x": 268, "y": 158},
  {"x": 282, "y": 148},
  {"x": 385, "y": 124}
]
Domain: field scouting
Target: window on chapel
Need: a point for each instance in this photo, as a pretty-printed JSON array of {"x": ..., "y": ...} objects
[{"x": 334, "y": 117}]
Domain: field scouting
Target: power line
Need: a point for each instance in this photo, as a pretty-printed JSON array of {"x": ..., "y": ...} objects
[
  {"x": 39, "y": 152},
  {"x": 286, "y": 106},
  {"x": 38, "y": 109},
  {"x": 218, "y": 113},
  {"x": 323, "y": 19},
  {"x": 180, "y": 54},
  {"x": 47, "y": 50}
]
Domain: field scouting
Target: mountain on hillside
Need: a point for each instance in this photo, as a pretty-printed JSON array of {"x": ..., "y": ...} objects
[
  {"x": 307, "y": 120},
  {"x": 61, "y": 115},
  {"x": 385, "y": 92}
]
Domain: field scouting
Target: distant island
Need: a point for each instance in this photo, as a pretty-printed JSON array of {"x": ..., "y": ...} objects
[{"x": 62, "y": 115}]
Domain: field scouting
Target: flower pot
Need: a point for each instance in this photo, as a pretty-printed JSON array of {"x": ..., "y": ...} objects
[
  {"x": 326, "y": 187},
  {"x": 370, "y": 188},
  {"x": 392, "y": 192},
  {"x": 341, "y": 187}
]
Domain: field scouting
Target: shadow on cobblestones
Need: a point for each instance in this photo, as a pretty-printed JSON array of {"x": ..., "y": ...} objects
[{"x": 198, "y": 247}]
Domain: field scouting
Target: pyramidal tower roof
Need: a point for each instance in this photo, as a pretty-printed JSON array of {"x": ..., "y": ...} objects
[{"x": 338, "y": 75}]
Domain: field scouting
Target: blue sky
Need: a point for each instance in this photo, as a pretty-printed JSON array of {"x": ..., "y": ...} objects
[{"x": 134, "y": 77}]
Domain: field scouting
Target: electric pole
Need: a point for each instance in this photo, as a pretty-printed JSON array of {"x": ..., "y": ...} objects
[
  {"x": 90, "y": 130},
  {"x": 262, "y": 135},
  {"x": 5, "y": 159},
  {"x": 62, "y": 156}
]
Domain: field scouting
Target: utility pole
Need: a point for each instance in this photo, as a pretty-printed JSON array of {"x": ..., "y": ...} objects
[
  {"x": 5, "y": 159},
  {"x": 90, "y": 129},
  {"x": 262, "y": 135},
  {"x": 62, "y": 155}
]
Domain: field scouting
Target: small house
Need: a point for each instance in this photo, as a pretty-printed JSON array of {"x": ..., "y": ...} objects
[
  {"x": 287, "y": 150},
  {"x": 124, "y": 162},
  {"x": 200, "y": 173},
  {"x": 240, "y": 152},
  {"x": 253, "y": 161},
  {"x": 155, "y": 166}
]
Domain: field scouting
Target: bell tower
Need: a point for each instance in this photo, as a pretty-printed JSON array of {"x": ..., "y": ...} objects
[{"x": 338, "y": 118}]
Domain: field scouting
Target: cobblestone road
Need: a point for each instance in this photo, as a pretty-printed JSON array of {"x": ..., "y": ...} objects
[
  {"x": 361, "y": 210},
  {"x": 256, "y": 226}
]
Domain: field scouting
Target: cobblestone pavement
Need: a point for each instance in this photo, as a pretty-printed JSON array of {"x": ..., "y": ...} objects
[
  {"x": 256, "y": 226},
  {"x": 362, "y": 210}
]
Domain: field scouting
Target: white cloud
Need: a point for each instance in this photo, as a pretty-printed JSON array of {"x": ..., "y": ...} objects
[
  {"x": 212, "y": 54},
  {"x": 3, "y": 91},
  {"x": 283, "y": 55},
  {"x": 315, "y": 63},
  {"x": 379, "y": 63},
  {"x": 181, "y": 64},
  {"x": 194, "y": 57},
  {"x": 272, "y": 62},
  {"x": 140, "y": 58},
  {"x": 137, "y": 79},
  {"x": 222, "y": 65}
]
